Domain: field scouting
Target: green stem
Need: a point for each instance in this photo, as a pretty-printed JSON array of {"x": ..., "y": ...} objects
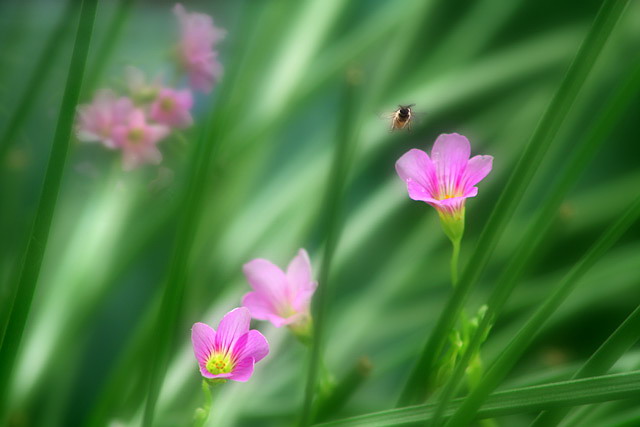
[
  {"x": 30, "y": 269},
  {"x": 202, "y": 414},
  {"x": 454, "y": 262},
  {"x": 421, "y": 379},
  {"x": 527, "y": 333}
]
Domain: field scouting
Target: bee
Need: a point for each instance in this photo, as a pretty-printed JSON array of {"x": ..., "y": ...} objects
[{"x": 402, "y": 117}]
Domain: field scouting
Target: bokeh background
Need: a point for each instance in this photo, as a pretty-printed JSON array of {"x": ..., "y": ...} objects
[{"x": 486, "y": 69}]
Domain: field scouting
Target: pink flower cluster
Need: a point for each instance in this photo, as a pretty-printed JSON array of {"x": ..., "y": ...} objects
[
  {"x": 283, "y": 298},
  {"x": 135, "y": 123}
]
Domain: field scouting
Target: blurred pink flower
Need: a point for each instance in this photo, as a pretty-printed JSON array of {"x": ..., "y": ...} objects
[
  {"x": 232, "y": 350},
  {"x": 196, "y": 54},
  {"x": 279, "y": 297},
  {"x": 171, "y": 107},
  {"x": 138, "y": 140},
  {"x": 447, "y": 178},
  {"x": 97, "y": 121}
]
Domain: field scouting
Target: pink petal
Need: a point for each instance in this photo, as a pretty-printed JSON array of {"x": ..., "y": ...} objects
[
  {"x": 259, "y": 306},
  {"x": 203, "y": 339},
  {"x": 233, "y": 325},
  {"x": 299, "y": 272},
  {"x": 450, "y": 155},
  {"x": 252, "y": 344},
  {"x": 415, "y": 165},
  {"x": 303, "y": 298},
  {"x": 418, "y": 192},
  {"x": 478, "y": 168},
  {"x": 242, "y": 370},
  {"x": 268, "y": 280}
]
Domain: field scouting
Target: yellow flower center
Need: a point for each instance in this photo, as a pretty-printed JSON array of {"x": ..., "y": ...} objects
[
  {"x": 219, "y": 363},
  {"x": 167, "y": 104},
  {"x": 136, "y": 135}
]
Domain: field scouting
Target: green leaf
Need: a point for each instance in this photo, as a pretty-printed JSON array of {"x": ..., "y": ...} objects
[{"x": 515, "y": 401}]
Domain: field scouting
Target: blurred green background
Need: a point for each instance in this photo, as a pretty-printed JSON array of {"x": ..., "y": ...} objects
[{"x": 486, "y": 69}]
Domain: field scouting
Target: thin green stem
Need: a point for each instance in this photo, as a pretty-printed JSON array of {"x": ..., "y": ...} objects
[
  {"x": 528, "y": 332},
  {"x": 625, "y": 336},
  {"x": 202, "y": 414},
  {"x": 331, "y": 226},
  {"x": 39, "y": 234},
  {"x": 531, "y": 242},
  {"x": 421, "y": 379},
  {"x": 454, "y": 262}
]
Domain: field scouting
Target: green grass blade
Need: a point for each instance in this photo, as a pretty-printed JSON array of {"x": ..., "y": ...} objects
[
  {"x": 585, "y": 151},
  {"x": 527, "y": 333},
  {"x": 175, "y": 283},
  {"x": 106, "y": 47},
  {"x": 515, "y": 401},
  {"x": 627, "y": 334},
  {"x": 42, "y": 69},
  {"x": 331, "y": 225},
  {"x": 421, "y": 378},
  {"x": 40, "y": 230}
]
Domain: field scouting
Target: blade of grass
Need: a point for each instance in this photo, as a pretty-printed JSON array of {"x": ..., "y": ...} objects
[
  {"x": 530, "y": 244},
  {"x": 515, "y": 401},
  {"x": 174, "y": 286},
  {"x": 627, "y": 334},
  {"x": 421, "y": 379},
  {"x": 527, "y": 333},
  {"x": 40, "y": 230},
  {"x": 42, "y": 69},
  {"x": 106, "y": 47},
  {"x": 331, "y": 225}
]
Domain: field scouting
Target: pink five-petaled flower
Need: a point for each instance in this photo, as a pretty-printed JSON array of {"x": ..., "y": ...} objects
[
  {"x": 96, "y": 121},
  {"x": 279, "y": 297},
  {"x": 138, "y": 140},
  {"x": 195, "y": 50},
  {"x": 171, "y": 107},
  {"x": 232, "y": 350},
  {"x": 445, "y": 179}
]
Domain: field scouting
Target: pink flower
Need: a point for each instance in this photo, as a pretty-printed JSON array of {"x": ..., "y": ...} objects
[
  {"x": 448, "y": 177},
  {"x": 232, "y": 350},
  {"x": 279, "y": 297},
  {"x": 97, "y": 121},
  {"x": 196, "y": 54},
  {"x": 171, "y": 107},
  {"x": 138, "y": 140}
]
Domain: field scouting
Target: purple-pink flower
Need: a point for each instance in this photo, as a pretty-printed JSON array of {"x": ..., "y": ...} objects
[
  {"x": 230, "y": 352},
  {"x": 138, "y": 140},
  {"x": 448, "y": 177},
  {"x": 97, "y": 121},
  {"x": 172, "y": 108},
  {"x": 279, "y": 297},
  {"x": 195, "y": 50}
]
